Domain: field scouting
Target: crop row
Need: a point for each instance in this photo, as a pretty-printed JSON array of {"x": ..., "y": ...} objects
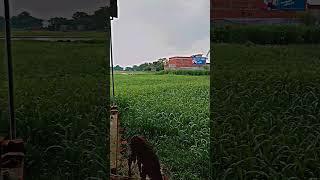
[{"x": 266, "y": 113}]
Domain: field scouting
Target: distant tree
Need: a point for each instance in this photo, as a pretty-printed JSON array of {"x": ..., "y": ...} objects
[
  {"x": 154, "y": 66},
  {"x": 79, "y": 15},
  {"x": 56, "y": 23},
  {"x": 24, "y": 20},
  {"x": 99, "y": 18},
  {"x": 128, "y": 69},
  {"x": 159, "y": 65},
  {"x": 135, "y": 68},
  {"x": 2, "y": 22},
  {"x": 84, "y": 20},
  {"x": 118, "y": 68},
  {"x": 145, "y": 67}
]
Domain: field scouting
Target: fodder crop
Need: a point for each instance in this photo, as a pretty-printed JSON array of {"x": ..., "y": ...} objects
[
  {"x": 173, "y": 113},
  {"x": 265, "y": 110},
  {"x": 61, "y": 105}
]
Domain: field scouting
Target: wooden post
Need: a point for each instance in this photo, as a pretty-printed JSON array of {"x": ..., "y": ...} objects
[{"x": 114, "y": 139}]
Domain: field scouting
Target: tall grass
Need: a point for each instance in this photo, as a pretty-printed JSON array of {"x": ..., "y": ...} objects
[
  {"x": 61, "y": 105},
  {"x": 185, "y": 72},
  {"x": 173, "y": 113},
  {"x": 265, "y": 110},
  {"x": 266, "y": 34}
]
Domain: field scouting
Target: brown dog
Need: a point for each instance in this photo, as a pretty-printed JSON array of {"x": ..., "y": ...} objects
[{"x": 141, "y": 151}]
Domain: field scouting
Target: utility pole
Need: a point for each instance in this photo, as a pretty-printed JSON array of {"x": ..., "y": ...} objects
[{"x": 12, "y": 121}]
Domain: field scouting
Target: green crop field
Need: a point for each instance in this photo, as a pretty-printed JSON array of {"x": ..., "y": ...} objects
[
  {"x": 266, "y": 112},
  {"x": 60, "y": 101},
  {"x": 172, "y": 111}
]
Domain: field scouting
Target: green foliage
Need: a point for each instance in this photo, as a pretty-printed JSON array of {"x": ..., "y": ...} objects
[
  {"x": 308, "y": 19},
  {"x": 185, "y": 72},
  {"x": 118, "y": 68},
  {"x": 2, "y": 22},
  {"x": 154, "y": 66},
  {"x": 60, "y": 100},
  {"x": 265, "y": 109},
  {"x": 57, "y": 22},
  {"x": 25, "y": 21},
  {"x": 129, "y": 69},
  {"x": 265, "y": 34},
  {"x": 80, "y": 21},
  {"x": 173, "y": 113}
]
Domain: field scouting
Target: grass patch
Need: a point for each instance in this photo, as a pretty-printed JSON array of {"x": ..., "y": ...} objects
[
  {"x": 60, "y": 100},
  {"x": 266, "y": 34},
  {"x": 173, "y": 113},
  {"x": 265, "y": 109},
  {"x": 185, "y": 72}
]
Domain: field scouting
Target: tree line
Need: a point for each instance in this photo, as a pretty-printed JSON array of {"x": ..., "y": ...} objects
[
  {"x": 153, "y": 66},
  {"x": 80, "y": 21}
]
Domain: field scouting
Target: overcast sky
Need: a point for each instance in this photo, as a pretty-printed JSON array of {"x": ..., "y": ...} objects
[
  {"x": 148, "y": 30},
  {"x": 145, "y": 31}
]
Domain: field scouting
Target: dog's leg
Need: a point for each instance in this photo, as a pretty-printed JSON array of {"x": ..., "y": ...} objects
[
  {"x": 139, "y": 166},
  {"x": 130, "y": 160},
  {"x": 129, "y": 166},
  {"x": 143, "y": 173}
]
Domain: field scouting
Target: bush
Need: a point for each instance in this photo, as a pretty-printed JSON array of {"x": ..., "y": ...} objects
[
  {"x": 309, "y": 19},
  {"x": 185, "y": 72},
  {"x": 266, "y": 34}
]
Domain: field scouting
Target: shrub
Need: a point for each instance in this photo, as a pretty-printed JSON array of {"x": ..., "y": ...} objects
[
  {"x": 266, "y": 34},
  {"x": 185, "y": 72}
]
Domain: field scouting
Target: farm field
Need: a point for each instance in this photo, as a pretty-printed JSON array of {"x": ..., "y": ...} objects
[
  {"x": 60, "y": 101},
  {"x": 172, "y": 111},
  {"x": 266, "y": 113},
  {"x": 60, "y": 105}
]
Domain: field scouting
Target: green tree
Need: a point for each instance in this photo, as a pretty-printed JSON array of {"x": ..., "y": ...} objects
[
  {"x": 82, "y": 19},
  {"x": 24, "y": 20},
  {"x": 118, "y": 68},
  {"x": 135, "y": 68},
  {"x": 2, "y": 22},
  {"x": 159, "y": 64},
  {"x": 129, "y": 69},
  {"x": 99, "y": 18},
  {"x": 56, "y": 23},
  {"x": 79, "y": 15}
]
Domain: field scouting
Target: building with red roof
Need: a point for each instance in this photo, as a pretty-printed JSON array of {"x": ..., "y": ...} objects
[{"x": 185, "y": 63}]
